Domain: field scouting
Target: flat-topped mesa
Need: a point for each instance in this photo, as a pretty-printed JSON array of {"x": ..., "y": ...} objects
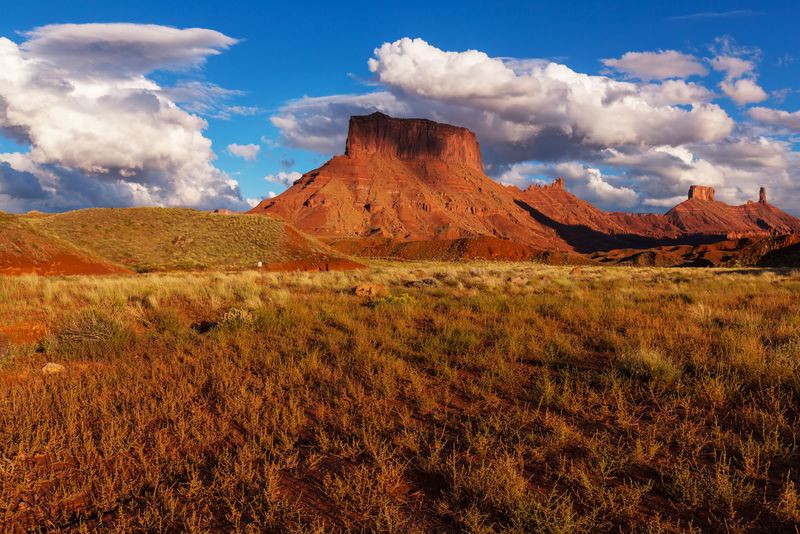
[
  {"x": 412, "y": 139},
  {"x": 762, "y": 195},
  {"x": 699, "y": 192}
]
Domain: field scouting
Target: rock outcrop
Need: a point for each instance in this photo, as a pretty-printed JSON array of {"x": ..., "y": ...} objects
[
  {"x": 699, "y": 219},
  {"x": 702, "y": 215},
  {"x": 557, "y": 185},
  {"x": 412, "y": 139},
  {"x": 699, "y": 192}
]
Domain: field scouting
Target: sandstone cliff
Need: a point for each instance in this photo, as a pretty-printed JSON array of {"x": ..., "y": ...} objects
[
  {"x": 412, "y": 139},
  {"x": 407, "y": 179}
]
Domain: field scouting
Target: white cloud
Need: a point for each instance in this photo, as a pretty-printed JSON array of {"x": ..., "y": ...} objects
[
  {"x": 776, "y": 116},
  {"x": 284, "y": 178},
  {"x": 744, "y": 91},
  {"x": 667, "y": 202},
  {"x": 246, "y": 152},
  {"x": 252, "y": 202},
  {"x": 733, "y": 67},
  {"x": 121, "y": 49},
  {"x": 271, "y": 194},
  {"x": 588, "y": 182},
  {"x": 740, "y": 78},
  {"x": 657, "y": 65},
  {"x": 100, "y": 132},
  {"x": 520, "y": 110}
]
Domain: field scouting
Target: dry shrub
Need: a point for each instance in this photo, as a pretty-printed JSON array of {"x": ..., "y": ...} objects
[
  {"x": 92, "y": 334},
  {"x": 648, "y": 364}
]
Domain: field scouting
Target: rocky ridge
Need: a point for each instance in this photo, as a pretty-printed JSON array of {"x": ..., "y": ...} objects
[{"x": 415, "y": 179}]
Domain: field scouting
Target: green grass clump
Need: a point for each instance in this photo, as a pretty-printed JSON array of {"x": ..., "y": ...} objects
[{"x": 649, "y": 364}]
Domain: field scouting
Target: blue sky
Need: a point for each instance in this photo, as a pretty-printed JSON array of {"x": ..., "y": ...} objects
[{"x": 286, "y": 51}]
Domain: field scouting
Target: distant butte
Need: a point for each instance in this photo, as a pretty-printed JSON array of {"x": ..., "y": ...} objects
[
  {"x": 699, "y": 192},
  {"x": 407, "y": 179},
  {"x": 416, "y": 179}
]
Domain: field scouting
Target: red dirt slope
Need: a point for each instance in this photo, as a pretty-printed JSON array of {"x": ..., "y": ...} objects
[{"x": 23, "y": 250}]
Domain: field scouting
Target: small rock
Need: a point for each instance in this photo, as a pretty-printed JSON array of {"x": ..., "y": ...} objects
[
  {"x": 576, "y": 270},
  {"x": 418, "y": 272},
  {"x": 517, "y": 281},
  {"x": 51, "y": 368},
  {"x": 370, "y": 290}
]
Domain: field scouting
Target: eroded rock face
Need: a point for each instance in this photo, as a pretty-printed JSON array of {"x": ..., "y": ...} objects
[
  {"x": 407, "y": 179},
  {"x": 762, "y": 195},
  {"x": 557, "y": 185},
  {"x": 412, "y": 139},
  {"x": 699, "y": 192}
]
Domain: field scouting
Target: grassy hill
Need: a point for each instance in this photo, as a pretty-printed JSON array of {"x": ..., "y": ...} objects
[{"x": 147, "y": 239}]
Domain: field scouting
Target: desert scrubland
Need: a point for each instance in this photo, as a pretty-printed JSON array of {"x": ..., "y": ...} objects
[{"x": 481, "y": 397}]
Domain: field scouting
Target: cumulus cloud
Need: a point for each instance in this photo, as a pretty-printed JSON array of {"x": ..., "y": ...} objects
[
  {"x": 657, "y": 65},
  {"x": 740, "y": 78},
  {"x": 744, "y": 91},
  {"x": 588, "y": 182},
  {"x": 777, "y": 117},
  {"x": 733, "y": 67},
  {"x": 246, "y": 152},
  {"x": 520, "y": 110},
  {"x": 284, "y": 178},
  {"x": 100, "y": 132}
]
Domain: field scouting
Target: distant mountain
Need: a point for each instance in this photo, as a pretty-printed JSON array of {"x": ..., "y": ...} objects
[
  {"x": 415, "y": 179},
  {"x": 697, "y": 220}
]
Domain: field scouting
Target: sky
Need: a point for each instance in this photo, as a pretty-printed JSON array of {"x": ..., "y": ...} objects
[{"x": 220, "y": 105}]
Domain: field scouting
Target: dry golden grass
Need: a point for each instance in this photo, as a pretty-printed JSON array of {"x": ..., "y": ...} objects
[
  {"x": 649, "y": 400},
  {"x": 157, "y": 239}
]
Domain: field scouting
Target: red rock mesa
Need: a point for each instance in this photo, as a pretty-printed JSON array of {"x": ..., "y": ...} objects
[{"x": 415, "y": 179}]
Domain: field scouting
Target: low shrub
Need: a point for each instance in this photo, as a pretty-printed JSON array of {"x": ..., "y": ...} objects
[
  {"x": 649, "y": 364},
  {"x": 92, "y": 334}
]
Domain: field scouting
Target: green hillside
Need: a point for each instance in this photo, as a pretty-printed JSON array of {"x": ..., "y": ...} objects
[{"x": 176, "y": 238}]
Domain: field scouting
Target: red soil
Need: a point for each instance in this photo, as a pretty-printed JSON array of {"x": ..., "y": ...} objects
[
  {"x": 24, "y": 331},
  {"x": 61, "y": 263}
]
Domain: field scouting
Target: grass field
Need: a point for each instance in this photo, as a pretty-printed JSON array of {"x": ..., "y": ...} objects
[
  {"x": 159, "y": 239},
  {"x": 470, "y": 397}
]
